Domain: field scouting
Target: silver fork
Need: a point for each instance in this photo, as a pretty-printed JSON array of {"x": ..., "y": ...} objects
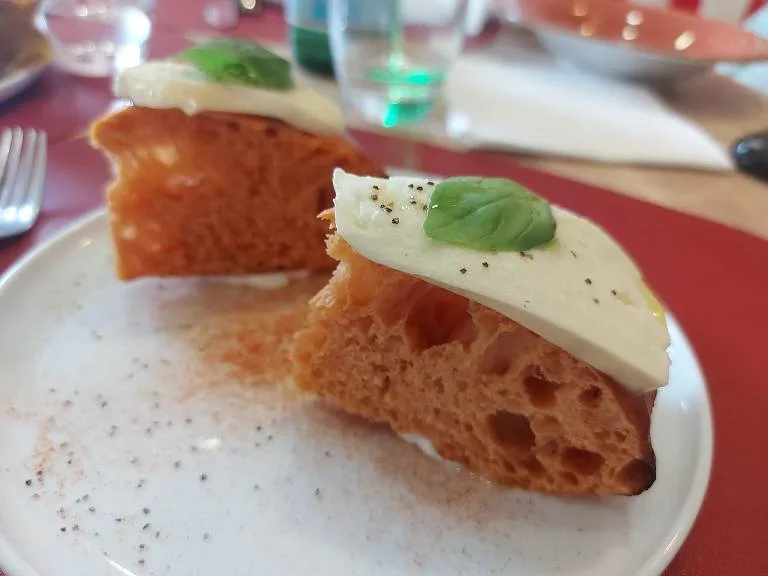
[{"x": 22, "y": 178}]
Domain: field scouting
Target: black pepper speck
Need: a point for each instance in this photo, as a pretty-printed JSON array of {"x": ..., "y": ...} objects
[
  {"x": 485, "y": 264},
  {"x": 463, "y": 270},
  {"x": 595, "y": 300},
  {"x": 203, "y": 477},
  {"x": 614, "y": 292},
  {"x": 28, "y": 482},
  {"x": 395, "y": 220},
  {"x": 588, "y": 281}
]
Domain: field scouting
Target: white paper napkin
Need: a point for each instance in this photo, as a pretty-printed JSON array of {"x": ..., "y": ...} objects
[{"x": 515, "y": 96}]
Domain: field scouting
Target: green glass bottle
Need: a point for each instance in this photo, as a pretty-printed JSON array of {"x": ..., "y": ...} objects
[{"x": 308, "y": 33}]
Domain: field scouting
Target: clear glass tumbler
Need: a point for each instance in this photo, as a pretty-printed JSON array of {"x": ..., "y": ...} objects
[
  {"x": 97, "y": 37},
  {"x": 391, "y": 57}
]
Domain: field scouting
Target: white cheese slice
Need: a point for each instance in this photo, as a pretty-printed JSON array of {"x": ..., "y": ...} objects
[
  {"x": 581, "y": 292},
  {"x": 167, "y": 84}
]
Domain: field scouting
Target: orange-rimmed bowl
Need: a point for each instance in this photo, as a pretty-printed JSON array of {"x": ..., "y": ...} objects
[{"x": 632, "y": 42}]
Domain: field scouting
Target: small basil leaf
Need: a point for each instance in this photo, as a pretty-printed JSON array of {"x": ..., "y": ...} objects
[
  {"x": 488, "y": 214},
  {"x": 235, "y": 61}
]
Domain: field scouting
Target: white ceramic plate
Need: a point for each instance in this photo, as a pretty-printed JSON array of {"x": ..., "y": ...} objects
[
  {"x": 15, "y": 82},
  {"x": 111, "y": 392}
]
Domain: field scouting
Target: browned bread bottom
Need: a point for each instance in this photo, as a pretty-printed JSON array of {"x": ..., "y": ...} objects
[
  {"x": 218, "y": 194},
  {"x": 485, "y": 391}
]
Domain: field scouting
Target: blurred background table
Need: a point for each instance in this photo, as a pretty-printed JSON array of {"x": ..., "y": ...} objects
[{"x": 64, "y": 105}]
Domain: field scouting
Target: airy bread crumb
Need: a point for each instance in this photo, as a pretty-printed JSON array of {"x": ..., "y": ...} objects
[
  {"x": 487, "y": 392},
  {"x": 217, "y": 193}
]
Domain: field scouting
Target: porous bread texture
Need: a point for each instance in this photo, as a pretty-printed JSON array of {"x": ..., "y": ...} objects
[
  {"x": 485, "y": 391},
  {"x": 218, "y": 193}
]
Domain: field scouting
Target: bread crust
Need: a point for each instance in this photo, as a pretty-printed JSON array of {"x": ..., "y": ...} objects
[{"x": 217, "y": 193}]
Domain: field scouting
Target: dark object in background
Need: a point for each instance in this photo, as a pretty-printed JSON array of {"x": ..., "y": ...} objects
[
  {"x": 307, "y": 22},
  {"x": 311, "y": 50},
  {"x": 21, "y": 45},
  {"x": 751, "y": 155}
]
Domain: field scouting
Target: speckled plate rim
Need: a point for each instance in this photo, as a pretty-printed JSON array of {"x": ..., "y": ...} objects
[
  {"x": 14, "y": 565},
  {"x": 10, "y": 561},
  {"x": 691, "y": 507}
]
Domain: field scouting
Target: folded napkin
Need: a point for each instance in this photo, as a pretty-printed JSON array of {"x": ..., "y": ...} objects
[{"x": 514, "y": 96}]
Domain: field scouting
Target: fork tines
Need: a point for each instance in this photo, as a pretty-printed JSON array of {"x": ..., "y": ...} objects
[{"x": 22, "y": 178}]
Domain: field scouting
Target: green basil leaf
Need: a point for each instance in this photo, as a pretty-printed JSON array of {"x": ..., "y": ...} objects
[
  {"x": 235, "y": 61},
  {"x": 488, "y": 214}
]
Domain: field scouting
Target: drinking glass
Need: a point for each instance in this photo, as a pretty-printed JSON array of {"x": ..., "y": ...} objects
[
  {"x": 391, "y": 57},
  {"x": 97, "y": 37}
]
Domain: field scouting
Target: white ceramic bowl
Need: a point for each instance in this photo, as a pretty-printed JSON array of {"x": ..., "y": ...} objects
[{"x": 635, "y": 43}]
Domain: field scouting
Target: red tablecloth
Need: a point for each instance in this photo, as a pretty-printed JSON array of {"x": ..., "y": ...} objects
[{"x": 711, "y": 277}]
